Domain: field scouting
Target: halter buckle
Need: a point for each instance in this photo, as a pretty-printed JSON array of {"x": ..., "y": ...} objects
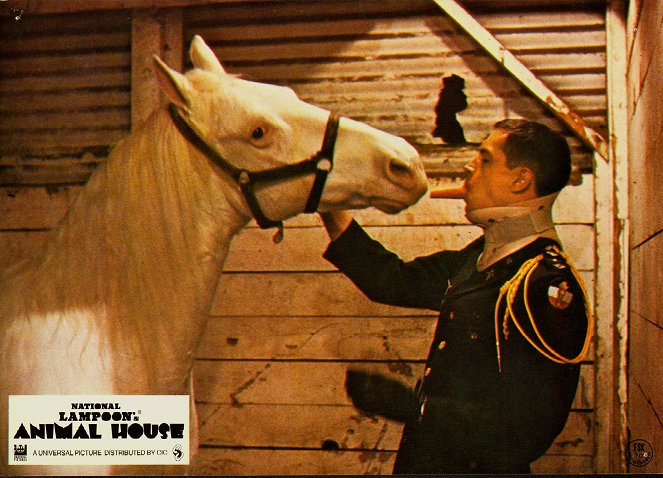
[
  {"x": 324, "y": 165},
  {"x": 244, "y": 179}
]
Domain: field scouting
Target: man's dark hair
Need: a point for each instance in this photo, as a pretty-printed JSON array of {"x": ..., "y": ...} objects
[{"x": 539, "y": 148}]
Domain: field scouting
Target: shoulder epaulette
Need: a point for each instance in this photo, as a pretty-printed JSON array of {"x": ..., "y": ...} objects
[{"x": 554, "y": 257}]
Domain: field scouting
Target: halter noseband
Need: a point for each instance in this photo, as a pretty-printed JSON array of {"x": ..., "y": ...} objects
[{"x": 321, "y": 163}]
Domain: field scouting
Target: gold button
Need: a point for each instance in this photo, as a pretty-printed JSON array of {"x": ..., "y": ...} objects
[
  {"x": 442, "y": 345},
  {"x": 474, "y": 335},
  {"x": 427, "y": 372},
  {"x": 451, "y": 315}
]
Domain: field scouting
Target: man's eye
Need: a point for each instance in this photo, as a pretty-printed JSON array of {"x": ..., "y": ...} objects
[{"x": 258, "y": 133}]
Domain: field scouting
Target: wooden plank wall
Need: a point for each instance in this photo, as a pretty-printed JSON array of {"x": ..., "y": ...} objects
[
  {"x": 284, "y": 325},
  {"x": 382, "y": 62},
  {"x": 645, "y": 367},
  {"x": 64, "y": 94}
]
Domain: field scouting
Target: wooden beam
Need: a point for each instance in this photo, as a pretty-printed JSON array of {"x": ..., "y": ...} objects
[
  {"x": 70, "y": 6},
  {"x": 153, "y": 32},
  {"x": 520, "y": 72}
]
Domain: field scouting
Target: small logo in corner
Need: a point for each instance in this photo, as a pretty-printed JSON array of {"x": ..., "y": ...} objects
[
  {"x": 177, "y": 452},
  {"x": 639, "y": 453},
  {"x": 20, "y": 452}
]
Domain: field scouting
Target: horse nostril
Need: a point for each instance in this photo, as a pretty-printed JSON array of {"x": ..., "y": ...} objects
[
  {"x": 404, "y": 175},
  {"x": 400, "y": 170}
]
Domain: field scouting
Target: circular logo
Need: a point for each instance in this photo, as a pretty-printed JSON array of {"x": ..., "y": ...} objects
[
  {"x": 177, "y": 452},
  {"x": 639, "y": 453}
]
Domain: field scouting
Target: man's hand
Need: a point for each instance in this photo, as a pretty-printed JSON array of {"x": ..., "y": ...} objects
[
  {"x": 336, "y": 222},
  {"x": 376, "y": 394}
]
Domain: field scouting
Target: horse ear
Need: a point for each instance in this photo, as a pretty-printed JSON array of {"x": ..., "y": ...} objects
[
  {"x": 203, "y": 57},
  {"x": 175, "y": 85}
]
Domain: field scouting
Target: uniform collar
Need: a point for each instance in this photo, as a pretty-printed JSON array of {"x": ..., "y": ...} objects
[{"x": 509, "y": 228}]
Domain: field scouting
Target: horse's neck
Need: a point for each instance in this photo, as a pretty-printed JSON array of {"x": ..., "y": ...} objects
[{"x": 145, "y": 241}]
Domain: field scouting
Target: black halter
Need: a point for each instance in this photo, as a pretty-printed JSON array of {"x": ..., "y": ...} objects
[{"x": 320, "y": 163}]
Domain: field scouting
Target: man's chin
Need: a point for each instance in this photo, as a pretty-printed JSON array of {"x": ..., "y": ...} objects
[{"x": 469, "y": 209}]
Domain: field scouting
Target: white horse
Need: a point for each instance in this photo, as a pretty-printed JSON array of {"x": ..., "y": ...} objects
[{"x": 117, "y": 300}]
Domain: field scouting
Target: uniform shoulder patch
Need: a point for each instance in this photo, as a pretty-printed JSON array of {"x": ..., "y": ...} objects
[{"x": 559, "y": 295}]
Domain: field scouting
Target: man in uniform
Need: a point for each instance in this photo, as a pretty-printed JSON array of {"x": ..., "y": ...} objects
[{"x": 514, "y": 323}]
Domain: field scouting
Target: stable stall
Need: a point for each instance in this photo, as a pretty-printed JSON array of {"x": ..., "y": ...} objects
[{"x": 75, "y": 78}]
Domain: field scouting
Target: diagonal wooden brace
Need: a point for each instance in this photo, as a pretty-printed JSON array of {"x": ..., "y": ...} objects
[{"x": 520, "y": 72}]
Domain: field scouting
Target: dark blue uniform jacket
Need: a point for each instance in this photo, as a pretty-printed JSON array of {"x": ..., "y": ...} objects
[{"x": 477, "y": 418}]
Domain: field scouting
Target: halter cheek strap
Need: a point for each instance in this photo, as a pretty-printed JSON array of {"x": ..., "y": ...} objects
[
  {"x": 321, "y": 163},
  {"x": 324, "y": 160}
]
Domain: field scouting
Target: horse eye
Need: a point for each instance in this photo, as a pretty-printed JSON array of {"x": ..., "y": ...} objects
[{"x": 258, "y": 133}]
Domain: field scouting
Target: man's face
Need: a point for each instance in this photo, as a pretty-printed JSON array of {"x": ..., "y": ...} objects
[{"x": 490, "y": 181}]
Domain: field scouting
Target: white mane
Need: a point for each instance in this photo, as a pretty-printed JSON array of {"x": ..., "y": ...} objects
[{"x": 109, "y": 253}]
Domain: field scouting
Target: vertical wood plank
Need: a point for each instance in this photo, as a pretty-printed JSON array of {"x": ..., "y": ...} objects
[
  {"x": 604, "y": 312},
  {"x": 153, "y": 32},
  {"x": 645, "y": 327},
  {"x": 618, "y": 126},
  {"x": 611, "y": 183}
]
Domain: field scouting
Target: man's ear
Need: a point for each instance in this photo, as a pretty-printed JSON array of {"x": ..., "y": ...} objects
[{"x": 523, "y": 180}]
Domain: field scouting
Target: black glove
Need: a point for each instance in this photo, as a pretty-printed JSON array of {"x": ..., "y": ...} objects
[{"x": 376, "y": 394}]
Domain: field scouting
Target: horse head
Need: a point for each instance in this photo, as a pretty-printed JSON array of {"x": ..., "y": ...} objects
[{"x": 287, "y": 156}]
